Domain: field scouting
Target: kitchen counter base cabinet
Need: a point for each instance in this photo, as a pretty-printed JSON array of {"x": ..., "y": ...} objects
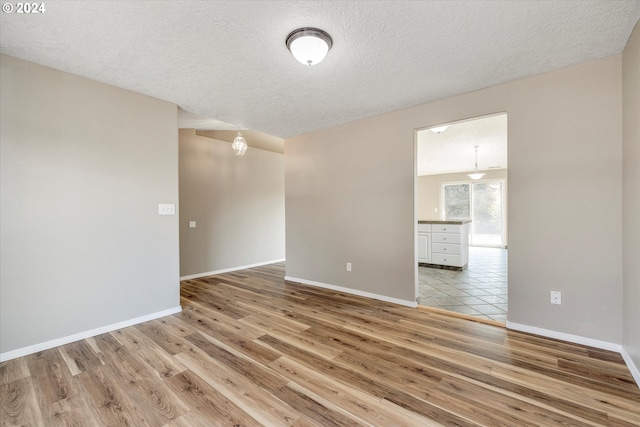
[
  {"x": 424, "y": 243},
  {"x": 447, "y": 243}
]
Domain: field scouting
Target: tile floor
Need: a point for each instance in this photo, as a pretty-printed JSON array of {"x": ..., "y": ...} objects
[{"x": 479, "y": 291}]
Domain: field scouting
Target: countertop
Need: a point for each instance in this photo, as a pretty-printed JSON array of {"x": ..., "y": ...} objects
[{"x": 437, "y": 221}]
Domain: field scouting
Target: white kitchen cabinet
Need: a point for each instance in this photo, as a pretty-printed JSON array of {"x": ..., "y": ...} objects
[
  {"x": 446, "y": 243},
  {"x": 424, "y": 244}
]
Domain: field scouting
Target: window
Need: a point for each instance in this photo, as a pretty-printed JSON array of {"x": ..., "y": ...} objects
[
  {"x": 457, "y": 201},
  {"x": 482, "y": 202}
]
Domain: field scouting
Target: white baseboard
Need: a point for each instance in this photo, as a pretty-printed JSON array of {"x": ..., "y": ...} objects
[
  {"x": 632, "y": 366},
  {"x": 385, "y": 298},
  {"x": 86, "y": 334},
  {"x": 227, "y": 270},
  {"x": 576, "y": 339}
]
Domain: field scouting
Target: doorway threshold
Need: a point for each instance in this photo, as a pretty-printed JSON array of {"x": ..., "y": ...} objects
[{"x": 463, "y": 316}]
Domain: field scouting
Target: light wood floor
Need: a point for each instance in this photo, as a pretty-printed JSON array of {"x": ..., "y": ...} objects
[{"x": 251, "y": 349}]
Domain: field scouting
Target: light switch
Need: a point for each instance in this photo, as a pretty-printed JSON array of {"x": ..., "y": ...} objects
[
  {"x": 166, "y": 209},
  {"x": 192, "y": 224}
]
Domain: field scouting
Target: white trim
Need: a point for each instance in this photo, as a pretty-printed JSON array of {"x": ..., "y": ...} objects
[
  {"x": 385, "y": 298},
  {"x": 227, "y": 270},
  {"x": 576, "y": 339},
  {"x": 86, "y": 334},
  {"x": 632, "y": 366}
]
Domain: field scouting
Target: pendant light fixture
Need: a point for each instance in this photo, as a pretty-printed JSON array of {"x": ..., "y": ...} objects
[
  {"x": 309, "y": 45},
  {"x": 476, "y": 175},
  {"x": 239, "y": 145}
]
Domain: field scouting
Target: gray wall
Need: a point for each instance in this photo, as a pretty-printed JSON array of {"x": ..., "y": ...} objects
[
  {"x": 83, "y": 168},
  {"x": 631, "y": 196},
  {"x": 350, "y": 197},
  {"x": 237, "y": 203}
]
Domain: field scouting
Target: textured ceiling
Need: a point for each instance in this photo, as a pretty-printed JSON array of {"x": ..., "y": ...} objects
[
  {"x": 453, "y": 150},
  {"x": 227, "y": 60}
]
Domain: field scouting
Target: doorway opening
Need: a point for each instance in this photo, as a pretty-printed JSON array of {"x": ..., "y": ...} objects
[{"x": 462, "y": 231}]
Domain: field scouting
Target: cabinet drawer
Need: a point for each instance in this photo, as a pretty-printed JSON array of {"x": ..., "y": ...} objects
[
  {"x": 445, "y": 238},
  {"x": 446, "y": 259},
  {"x": 424, "y": 228},
  {"x": 445, "y": 249},
  {"x": 445, "y": 228}
]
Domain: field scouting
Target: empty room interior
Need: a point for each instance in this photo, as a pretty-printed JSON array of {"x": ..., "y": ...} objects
[{"x": 307, "y": 213}]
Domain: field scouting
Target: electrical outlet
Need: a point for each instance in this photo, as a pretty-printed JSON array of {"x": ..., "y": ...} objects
[
  {"x": 348, "y": 266},
  {"x": 166, "y": 209},
  {"x": 556, "y": 297}
]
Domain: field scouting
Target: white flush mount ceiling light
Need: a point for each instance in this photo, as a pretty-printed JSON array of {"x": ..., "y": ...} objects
[
  {"x": 439, "y": 129},
  {"x": 476, "y": 175},
  {"x": 309, "y": 45},
  {"x": 239, "y": 145}
]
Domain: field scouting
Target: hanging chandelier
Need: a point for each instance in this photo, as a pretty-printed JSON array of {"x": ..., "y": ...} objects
[{"x": 239, "y": 145}]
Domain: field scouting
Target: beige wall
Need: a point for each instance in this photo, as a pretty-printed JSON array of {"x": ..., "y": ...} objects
[
  {"x": 631, "y": 197},
  {"x": 237, "y": 203},
  {"x": 84, "y": 166},
  {"x": 350, "y": 197}
]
